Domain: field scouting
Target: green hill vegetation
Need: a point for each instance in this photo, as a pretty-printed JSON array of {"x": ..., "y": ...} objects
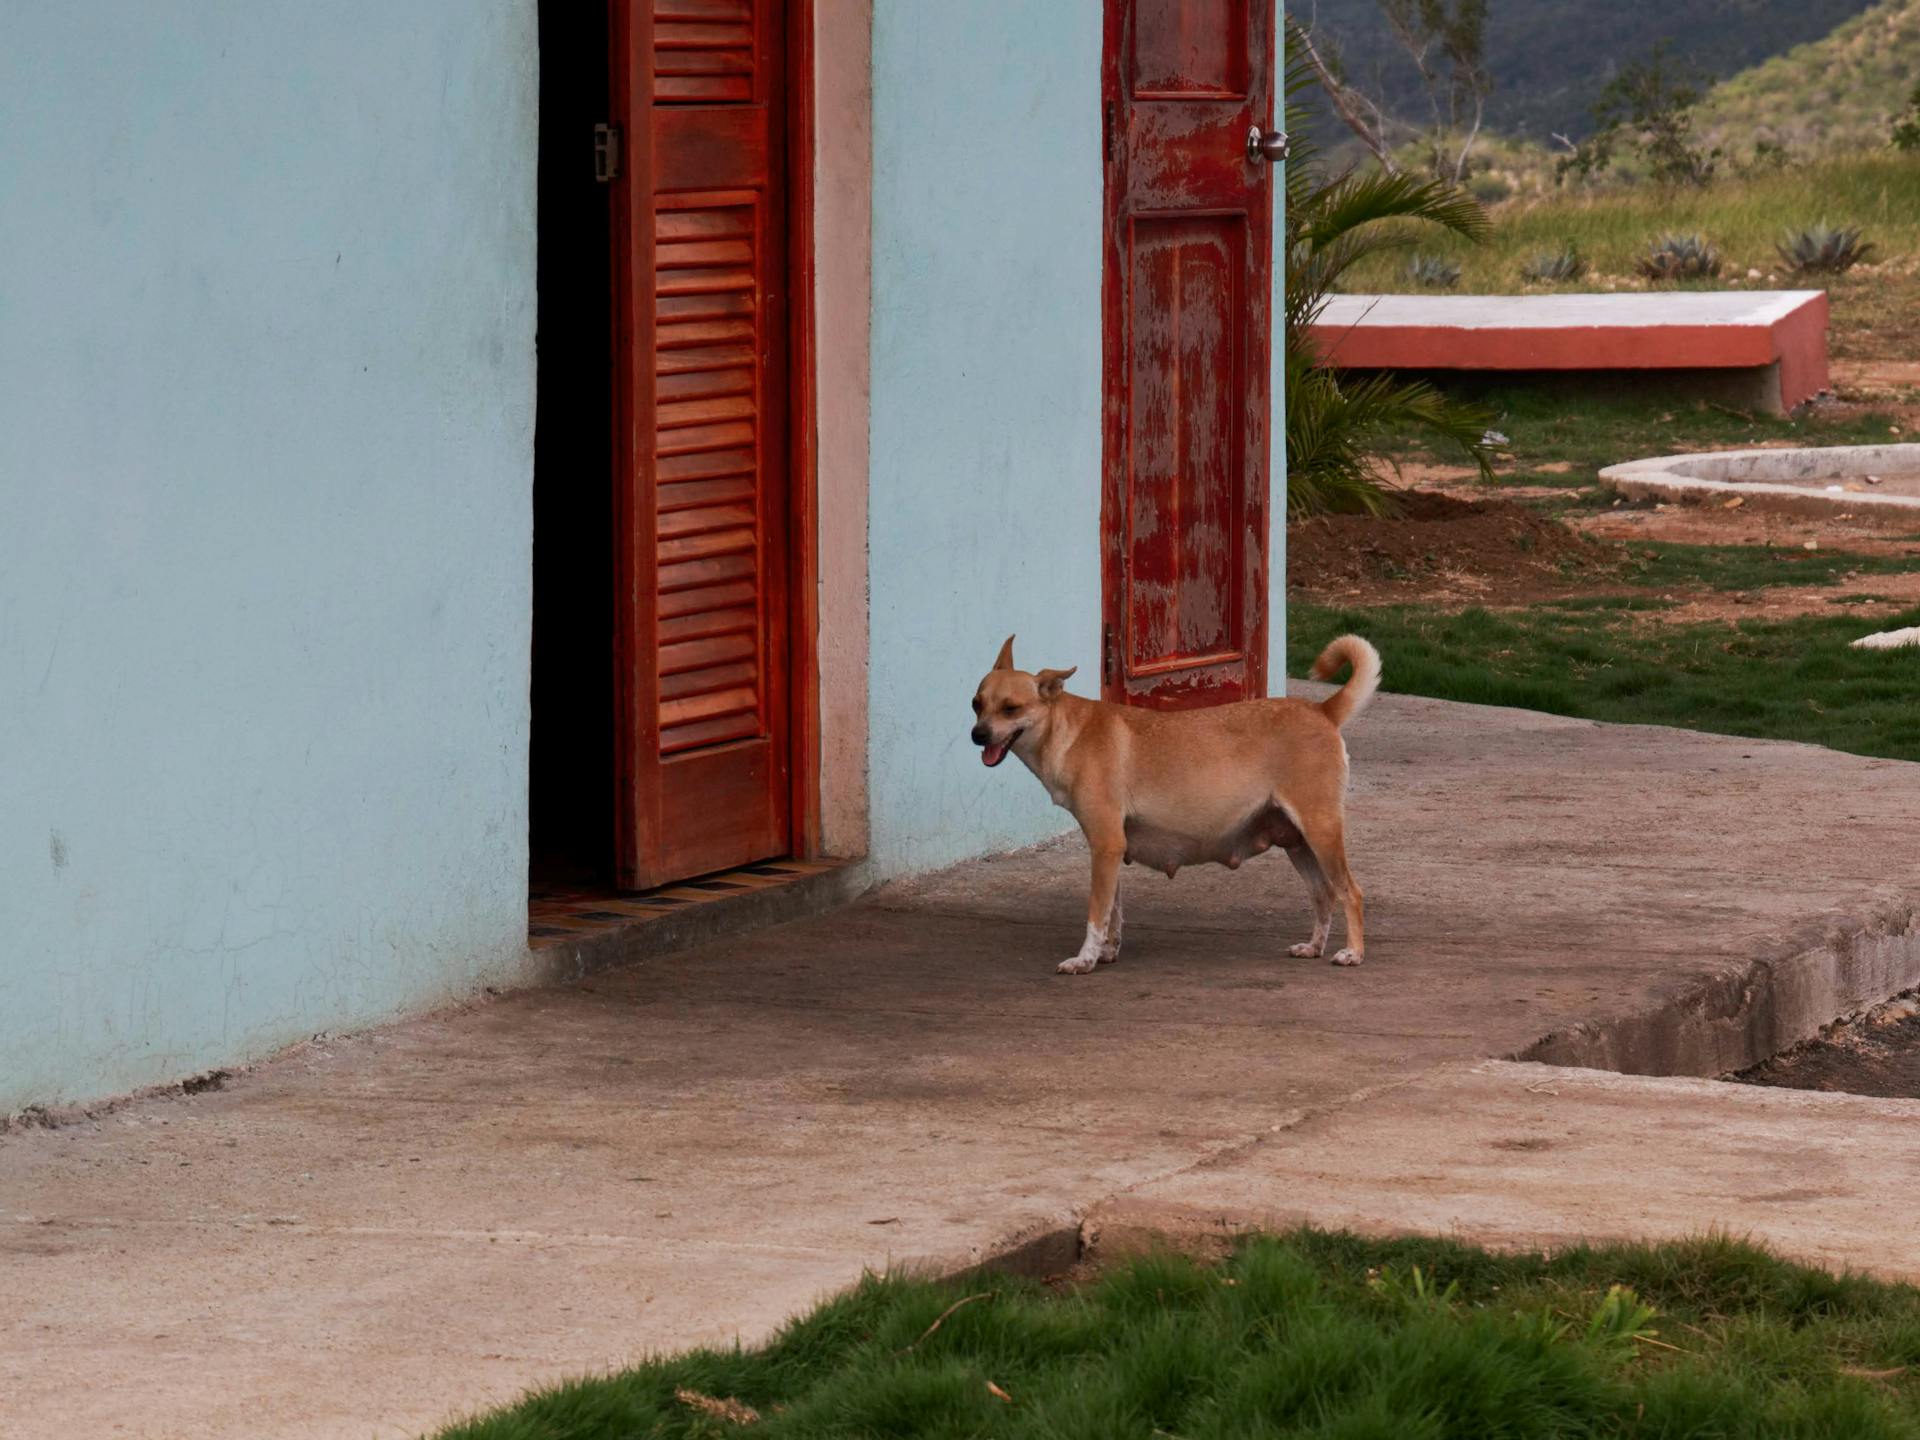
[
  {"x": 1550, "y": 58},
  {"x": 1835, "y": 92}
]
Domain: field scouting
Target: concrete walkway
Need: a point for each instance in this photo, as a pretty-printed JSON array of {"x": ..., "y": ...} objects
[{"x": 369, "y": 1236}]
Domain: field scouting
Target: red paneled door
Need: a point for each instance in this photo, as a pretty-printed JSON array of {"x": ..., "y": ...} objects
[
  {"x": 702, "y": 544},
  {"x": 1187, "y": 295}
]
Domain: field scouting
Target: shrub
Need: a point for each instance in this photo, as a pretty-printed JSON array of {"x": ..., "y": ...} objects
[
  {"x": 1554, "y": 267},
  {"x": 1432, "y": 272},
  {"x": 1906, "y": 125},
  {"x": 1648, "y": 106},
  {"x": 1490, "y": 189},
  {"x": 1679, "y": 257},
  {"x": 1823, "y": 249}
]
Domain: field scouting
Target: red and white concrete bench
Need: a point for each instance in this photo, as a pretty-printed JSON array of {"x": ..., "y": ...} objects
[{"x": 1772, "y": 343}]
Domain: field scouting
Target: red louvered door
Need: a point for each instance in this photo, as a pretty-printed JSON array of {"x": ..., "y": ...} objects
[
  {"x": 1188, "y": 296},
  {"x": 701, "y": 262}
]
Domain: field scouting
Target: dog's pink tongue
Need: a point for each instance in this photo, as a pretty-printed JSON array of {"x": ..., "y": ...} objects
[{"x": 993, "y": 755}]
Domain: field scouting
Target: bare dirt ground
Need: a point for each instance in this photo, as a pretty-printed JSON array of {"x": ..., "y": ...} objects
[
  {"x": 1499, "y": 551},
  {"x": 1443, "y": 543},
  {"x": 1875, "y": 1054},
  {"x": 1459, "y": 542}
]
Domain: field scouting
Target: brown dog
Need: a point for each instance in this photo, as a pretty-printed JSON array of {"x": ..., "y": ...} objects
[{"x": 1190, "y": 787}]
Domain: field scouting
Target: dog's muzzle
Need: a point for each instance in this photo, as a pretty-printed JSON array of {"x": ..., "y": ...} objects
[{"x": 992, "y": 752}]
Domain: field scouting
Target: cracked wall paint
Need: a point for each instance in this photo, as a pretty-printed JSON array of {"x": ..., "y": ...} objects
[{"x": 266, "y": 409}]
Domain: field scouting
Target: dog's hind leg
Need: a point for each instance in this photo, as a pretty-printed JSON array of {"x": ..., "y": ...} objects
[
  {"x": 1328, "y": 838},
  {"x": 1321, "y": 895}
]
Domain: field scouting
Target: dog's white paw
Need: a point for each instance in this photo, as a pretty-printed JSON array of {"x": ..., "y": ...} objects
[
  {"x": 1305, "y": 950},
  {"x": 1078, "y": 965},
  {"x": 1346, "y": 957}
]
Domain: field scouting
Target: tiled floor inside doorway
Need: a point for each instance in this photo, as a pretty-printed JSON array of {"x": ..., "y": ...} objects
[{"x": 559, "y": 913}]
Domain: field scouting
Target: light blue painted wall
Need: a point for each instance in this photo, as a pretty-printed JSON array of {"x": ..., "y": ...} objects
[
  {"x": 266, "y": 416},
  {"x": 984, "y": 510},
  {"x": 984, "y": 501}
]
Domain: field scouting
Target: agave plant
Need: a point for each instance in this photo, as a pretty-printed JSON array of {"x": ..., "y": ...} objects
[
  {"x": 1823, "y": 249},
  {"x": 1679, "y": 257},
  {"x": 1553, "y": 267},
  {"x": 1433, "y": 272},
  {"x": 1336, "y": 424}
]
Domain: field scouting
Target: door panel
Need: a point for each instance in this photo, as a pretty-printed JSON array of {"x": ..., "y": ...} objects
[
  {"x": 1183, "y": 497},
  {"x": 1187, "y": 295},
  {"x": 703, "y": 539}
]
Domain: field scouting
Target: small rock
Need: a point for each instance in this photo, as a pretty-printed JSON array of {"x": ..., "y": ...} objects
[
  {"x": 1753, "y": 274},
  {"x": 1811, "y": 545},
  {"x": 1735, "y": 503},
  {"x": 1873, "y": 480}
]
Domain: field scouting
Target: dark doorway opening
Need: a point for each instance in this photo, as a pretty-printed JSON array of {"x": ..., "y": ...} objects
[{"x": 572, "y": 788}]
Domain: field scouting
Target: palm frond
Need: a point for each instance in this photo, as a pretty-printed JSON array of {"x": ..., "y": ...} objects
[
  {"x": 1336, "y": 424},
  {"x": 1336, "y": 207}
]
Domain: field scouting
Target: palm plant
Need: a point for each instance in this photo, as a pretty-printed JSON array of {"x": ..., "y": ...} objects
[{"x": 1336, "y": 423}]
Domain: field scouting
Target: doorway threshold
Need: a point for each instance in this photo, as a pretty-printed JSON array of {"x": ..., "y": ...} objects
[{"x": 578, "y": 929}]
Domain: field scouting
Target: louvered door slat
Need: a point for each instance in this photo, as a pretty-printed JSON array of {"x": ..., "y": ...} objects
[
  {"x": 708, "y": 721},
  {"x": 700, "y": 253}
]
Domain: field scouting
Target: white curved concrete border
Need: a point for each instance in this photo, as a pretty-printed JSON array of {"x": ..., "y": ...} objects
[
  {"x": 1890, "y": 639},
  {"x": 1772, "y": 479}
]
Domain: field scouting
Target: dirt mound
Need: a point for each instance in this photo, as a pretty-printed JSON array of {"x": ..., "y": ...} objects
[{"x": 1435, "y": 535}]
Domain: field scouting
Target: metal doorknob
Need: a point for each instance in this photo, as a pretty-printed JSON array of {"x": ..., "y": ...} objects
[{"x": 1268, "y": 145}]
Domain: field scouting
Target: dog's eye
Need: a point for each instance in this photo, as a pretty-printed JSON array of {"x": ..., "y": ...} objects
[
  {"x": 1008, "y": 708},
  {"x": 976, "y": 704}
]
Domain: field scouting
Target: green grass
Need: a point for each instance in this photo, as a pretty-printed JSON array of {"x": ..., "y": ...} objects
[
  {"x": 1308, "y": 1335},
  {"x": 1744, "y": 217},
  {"x": 1782, "y": 680},
  {"x": 1750, "y": 567},
  {"x": 1547, "y": 426}
]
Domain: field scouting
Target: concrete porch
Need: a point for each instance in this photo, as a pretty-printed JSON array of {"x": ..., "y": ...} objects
[{"x": 374, "y": 1234}]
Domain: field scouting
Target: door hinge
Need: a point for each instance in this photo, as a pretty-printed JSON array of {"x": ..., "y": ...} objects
[
  {"x": 1106, "y": 654},
  {"x": 606, "y": 153},
  {"x": 1106, "y": 133}
]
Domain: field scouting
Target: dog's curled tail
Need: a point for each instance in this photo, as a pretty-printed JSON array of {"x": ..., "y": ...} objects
[{"x": 1351, "y": 698}]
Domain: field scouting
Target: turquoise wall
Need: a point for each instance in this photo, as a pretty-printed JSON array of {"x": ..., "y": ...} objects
[
  {"x": 266, "y": 416},
  {"x": 984, "y": 506}
]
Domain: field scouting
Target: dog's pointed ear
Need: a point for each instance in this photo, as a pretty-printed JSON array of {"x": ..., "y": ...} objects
[
  {"x": 1051, "y": 681},
  {"x": 1005, "y": 662}
]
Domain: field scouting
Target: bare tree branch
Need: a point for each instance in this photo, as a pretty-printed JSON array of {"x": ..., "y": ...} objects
[{"x": 1346, "y": 103}]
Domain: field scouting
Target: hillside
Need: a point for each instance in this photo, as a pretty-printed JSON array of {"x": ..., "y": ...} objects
[
  {"x": 1838, "y": 90},
  {"x": 1550, "y": 58}
]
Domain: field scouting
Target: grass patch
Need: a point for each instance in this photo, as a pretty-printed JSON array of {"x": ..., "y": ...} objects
[
  {"x": 1310, "y": 1334},
  {"x": 1774, "y": 680},
  {"x": 1744, "y": 217},
  {"x": 1546, "y": 427},
  {"x": 1751, "y": 567}
]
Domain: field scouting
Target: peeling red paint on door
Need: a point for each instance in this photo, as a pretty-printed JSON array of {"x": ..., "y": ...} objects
[{"x": 1187, "y": 297}]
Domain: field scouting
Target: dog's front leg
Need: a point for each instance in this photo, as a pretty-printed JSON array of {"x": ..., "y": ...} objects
[
  {"x": 1103, "y": 928},
  {"x": 1110, "y": 951}
]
